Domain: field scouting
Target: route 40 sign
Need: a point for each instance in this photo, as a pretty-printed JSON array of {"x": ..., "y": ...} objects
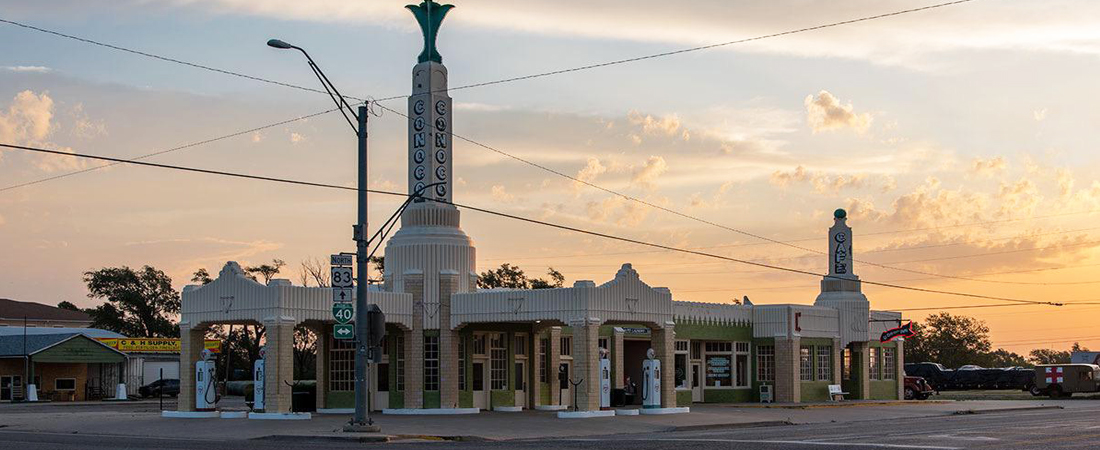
[{"x": 343, "y": 312}]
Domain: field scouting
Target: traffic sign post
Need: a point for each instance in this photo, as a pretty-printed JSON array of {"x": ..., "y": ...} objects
[
  {"x": 341, "y": 259},
  {"x": 343, "y": 331},
  {"x": 341, "y": 295},
  {"x": 342, "y": 277},
  {"x": 343, "y": 312}
]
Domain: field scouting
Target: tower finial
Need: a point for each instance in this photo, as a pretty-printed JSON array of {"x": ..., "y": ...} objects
[{"x": 429, "y": 15}]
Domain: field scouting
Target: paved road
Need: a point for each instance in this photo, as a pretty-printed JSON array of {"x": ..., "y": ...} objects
[{"x": 1036, "y": 429}]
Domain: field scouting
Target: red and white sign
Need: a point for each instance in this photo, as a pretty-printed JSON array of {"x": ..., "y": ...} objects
[{"x": 1054, "y": 375}]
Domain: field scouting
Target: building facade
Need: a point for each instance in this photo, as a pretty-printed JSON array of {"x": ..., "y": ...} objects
[{"x": 451, "y": 345}]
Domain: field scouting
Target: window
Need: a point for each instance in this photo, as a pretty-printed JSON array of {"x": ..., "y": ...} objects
[
  {"x": 461, "y": 363},
  {"x": 825, "y": 363},
  {"x": 805, "y": 364},
  {"x": 742, "y": 361},
  {"x": 765, "y": 363},
  {"x": 566, "y": 345},
  {"x": 544, "y": 358},
  {"x": 521, "y": 345},
  {"x": 681, "y": 371},
  {"x": 498, "y": 362},
  {"x": 64, "y": 384},
  {"x": 696, "y": 350},
  {"x": 431, "y": 363},
  {"x": 876, "y": 371},
  {"x": 681, "y": 346},
  {"x": 399, "y": 349},
  {"x": 341, "y": 366},
  {"x": 719, "y": 359},
  {"x": 888, "y": 364},
  {"x": 479, "y": 344},
  {"x": 846, "y": 364},
  {"x": 604, "y": 343}
]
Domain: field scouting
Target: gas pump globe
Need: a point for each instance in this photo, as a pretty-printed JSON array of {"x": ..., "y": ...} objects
[
  {"x": 651, "y": 380},
  {"x": 206, "y": 395}
]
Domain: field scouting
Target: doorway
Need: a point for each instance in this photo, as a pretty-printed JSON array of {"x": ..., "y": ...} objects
[
  {"x": 696, "y": 382},
  {"x": 11, "y": 387},
  {"x": 634, "y": 351},
  {"x": 521, "y": 383},
  {"x": 481, "y": 394}
]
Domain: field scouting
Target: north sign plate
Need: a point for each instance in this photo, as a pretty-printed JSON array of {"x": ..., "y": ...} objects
[
  {"x": 342, "y": 277},
  {"x": 343, "y": 331},
  {"x": 343, "y": 312},
  {"x": 340, "y": 260},
  {"x": 341, "y": 295}
]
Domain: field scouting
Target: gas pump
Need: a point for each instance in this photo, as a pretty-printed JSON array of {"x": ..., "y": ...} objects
[
  {"x": 651, "y": 381},
  {"x": 605, "y": 380},
  {"x": 258, "y": 371},
  {"x": 206, "y": 395}
]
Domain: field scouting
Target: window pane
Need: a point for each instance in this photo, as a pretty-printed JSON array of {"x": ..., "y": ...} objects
[
  {"x": 742, "y": 370},
  {"x": 825, "y": 363},
  {"x": 805, "y": 365},
  {"x": 765, "y": 363},
  {"x": 681, "y": 371},
  {"x": 719, "y": 372}
]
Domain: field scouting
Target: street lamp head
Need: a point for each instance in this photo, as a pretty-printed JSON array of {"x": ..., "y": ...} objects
[{"x": 278, "y": 44}]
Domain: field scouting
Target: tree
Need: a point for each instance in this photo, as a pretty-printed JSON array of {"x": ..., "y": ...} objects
[
  {"x": 314, "y": 269},
  {"x": 1005, "y": 358},
  {"x": 305, "y": 354},
  {"x": 1049, "y": 356},
  {"x": 949, "y": 340},
  {"x": 267, "y": 271},
  {"x": 512, "y": 277},
  {"x": 138, "y": 303},
  {"x": 379, "y": 263},
  {"x": 69, "y": 306},
  {"x": 201, "y": 276}
]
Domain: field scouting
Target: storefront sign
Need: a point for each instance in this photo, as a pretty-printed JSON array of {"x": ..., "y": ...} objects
[
  {"x": 153, "y": 345},
  {"x": 894, "y": 333}
]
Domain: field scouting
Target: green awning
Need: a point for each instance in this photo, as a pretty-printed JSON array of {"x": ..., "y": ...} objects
[{"x": 78, "y": 349}]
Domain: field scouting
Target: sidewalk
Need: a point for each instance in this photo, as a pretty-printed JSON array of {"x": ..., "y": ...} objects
[{"x": 140, "y": 420}]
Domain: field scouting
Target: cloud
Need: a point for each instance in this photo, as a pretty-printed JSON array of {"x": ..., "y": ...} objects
[
  {"x": 1039, "y": 114},
  {"x": 646, "y": 175},
  {"x": 84, "y": 126},
  {"x": 1065, "y": 182},
  {"x": 829, "y": 184},
  {"x": 667, "y": 125},
  {"x": 257, "y": 137},
  {"x": 826, "y": 113},
  {"x": 592, "y": 169},
  {"x": 621, "y": 211},
  {"x": 1020, "y": 197},
  {"x": 28, "y": 69},
  {"x": 296, "y": 138},
  {"x": 28, "y": 118},
  {"x": 988, "y": 167},
  {"x": 500, "y": 195}
]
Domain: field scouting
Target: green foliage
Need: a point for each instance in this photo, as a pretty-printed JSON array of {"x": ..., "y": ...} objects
[
  {"x": 509, "y": 276},
  {"x": 201, "y": 276},
  {"x": 138, "y": 303},
  {"x": 1051, "y": 356},
  {"x": 1005, "y": 358},
  {"x": 267, "y": 271},
  {"x": 949, "y": 340}
]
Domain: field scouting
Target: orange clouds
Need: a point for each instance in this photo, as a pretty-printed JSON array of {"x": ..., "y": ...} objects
[{"x": 826, "y": 113}]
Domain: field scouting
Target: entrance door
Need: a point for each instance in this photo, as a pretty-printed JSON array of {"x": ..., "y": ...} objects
[
  {"x": 521, "y": 383},
  {"x": 696, "y": 382},
  {"x": 563, "y": 381},
  {"x": 380, "y": 396},
  {"x": 6, "y": 383},
  {"x": 481, "y": 392}
]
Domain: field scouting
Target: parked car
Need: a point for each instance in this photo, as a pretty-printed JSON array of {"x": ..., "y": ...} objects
[
  {"x": 1062, "y": 380},
  {"x": 170, "y": 387},
  {"x": 972, "y": 377},
  {"x": 917, "y": 388}
]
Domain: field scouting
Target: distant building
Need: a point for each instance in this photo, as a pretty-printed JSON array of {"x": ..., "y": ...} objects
[{"x": 13, "y": 313}]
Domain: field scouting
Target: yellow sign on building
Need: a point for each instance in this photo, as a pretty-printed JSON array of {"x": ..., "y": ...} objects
[{"x": 153, "y": 345}]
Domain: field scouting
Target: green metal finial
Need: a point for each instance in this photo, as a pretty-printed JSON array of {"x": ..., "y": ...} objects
[
  {"x": 429, "y": 15},
  {"x": 840, "y": 214}
]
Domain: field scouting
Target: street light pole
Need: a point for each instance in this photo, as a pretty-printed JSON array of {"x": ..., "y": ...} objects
[{"x": 362, "y": 420}]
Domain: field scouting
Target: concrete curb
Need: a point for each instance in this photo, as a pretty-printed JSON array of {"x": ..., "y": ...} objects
[
  {"x": 368, "y": 438},
  {"x": 1000, "y": 410},
  {"x": 717, "y": 426},
  {"x": 838, "y": 404}
]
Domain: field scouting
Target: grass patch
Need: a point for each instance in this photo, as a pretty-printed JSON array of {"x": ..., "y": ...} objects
[{"x": 1002, "y": 395}]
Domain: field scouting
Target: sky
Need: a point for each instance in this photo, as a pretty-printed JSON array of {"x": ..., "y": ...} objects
[{"x": 959, "y": 139}]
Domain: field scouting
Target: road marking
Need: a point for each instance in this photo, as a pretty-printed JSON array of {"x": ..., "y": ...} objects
[{"x": 753, "y": 441}]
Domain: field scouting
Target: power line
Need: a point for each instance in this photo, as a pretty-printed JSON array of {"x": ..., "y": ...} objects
[
  {"x": 173, "y": 149},
  {"x": 522, "y": 219},
  {"x": 609, "y": 63}
]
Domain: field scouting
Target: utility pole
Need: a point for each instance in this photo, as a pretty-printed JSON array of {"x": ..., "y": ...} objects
[{"x": 362, "y": 388}]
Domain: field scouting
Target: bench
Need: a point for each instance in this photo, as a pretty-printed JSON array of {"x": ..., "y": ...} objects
[{"x": 835, "y": 392}]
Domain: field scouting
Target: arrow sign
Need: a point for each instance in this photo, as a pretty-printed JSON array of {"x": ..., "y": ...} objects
[
  {"x": 343, "y": 331},
  {"x": 341, "y": 295},
  {"x": 343, "y": 312}
]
